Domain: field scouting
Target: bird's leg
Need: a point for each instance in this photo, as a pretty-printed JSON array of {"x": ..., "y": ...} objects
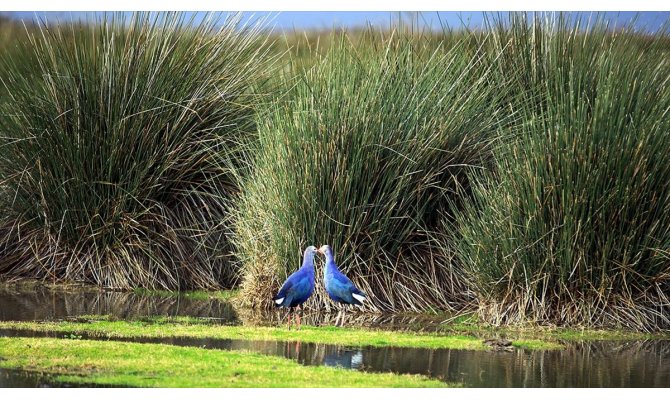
[
  {"x": 298, "y": 315},
  {"x": 289, "y": 319}
]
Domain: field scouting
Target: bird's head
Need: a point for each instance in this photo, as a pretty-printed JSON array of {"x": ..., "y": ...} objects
[
  {"x": 308, "y": 256},
  {"x": 310, "y": 250},
  {"x": 325, "y": 250}
]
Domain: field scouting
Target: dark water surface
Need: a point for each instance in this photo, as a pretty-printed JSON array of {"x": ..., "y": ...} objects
[
  {"x": 44, "y": 304},
  {"x": 30, "y": 379},
  {"x": 22, "y": 379},
  {"x": 591, "y": 364}
]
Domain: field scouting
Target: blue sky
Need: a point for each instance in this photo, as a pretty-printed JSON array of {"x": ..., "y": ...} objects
[{"x": 649, "y": 21}]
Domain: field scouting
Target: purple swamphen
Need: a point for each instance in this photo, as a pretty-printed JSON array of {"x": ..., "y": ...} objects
[
  {"x": 339, "y": 287},
  {"x": 298, "y": 286}
]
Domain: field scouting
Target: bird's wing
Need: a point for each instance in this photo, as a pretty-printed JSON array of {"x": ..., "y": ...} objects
[
  {"x": 295, "y": 283},
  {"x": 285, "y": 290},
  {"x": 341, "y": 285},
  {"x": 345, "y": 289},
  {"x": 342, "y": 280}
]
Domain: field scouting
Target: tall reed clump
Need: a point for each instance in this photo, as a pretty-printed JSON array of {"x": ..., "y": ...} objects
[
  {"x": 117, "y": 161},
  {"x": 572, "y": 226},
  {"x": 365, "y": 153}
]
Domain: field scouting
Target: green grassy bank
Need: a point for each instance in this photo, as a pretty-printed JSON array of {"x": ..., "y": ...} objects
[
  {"x": 155, "y": 365},
  {"x": 191, "y": 328}
]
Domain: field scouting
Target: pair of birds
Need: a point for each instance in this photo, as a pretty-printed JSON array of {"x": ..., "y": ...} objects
[{"x": 300, "y": 284}]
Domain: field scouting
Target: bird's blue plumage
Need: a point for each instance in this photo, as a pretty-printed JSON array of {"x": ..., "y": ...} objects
[
  {"x": 299, "y": 285},
  {"x": 338, "y": 286}
]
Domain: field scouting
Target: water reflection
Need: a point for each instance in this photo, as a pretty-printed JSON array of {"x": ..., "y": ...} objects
[
  {"x": 21, "y": 379},
  {"x": 349, "y": 359},
  {"x": 11, "y": 378},
  {"x": 601, "y": 364},
  {"x": 44, "y": 304}
]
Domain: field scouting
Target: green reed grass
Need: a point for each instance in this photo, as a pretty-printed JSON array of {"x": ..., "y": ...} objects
[
  {"x": 521, "y": 168},
  {"x": 572, "y": 226},
  {"x": 116, "y": 159},
  {"x": 363, "y": 153}
]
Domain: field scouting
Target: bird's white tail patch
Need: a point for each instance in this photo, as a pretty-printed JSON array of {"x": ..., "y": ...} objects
[
  {"x": 359, "y": 297},
  {"x": 279, "y": 301}
]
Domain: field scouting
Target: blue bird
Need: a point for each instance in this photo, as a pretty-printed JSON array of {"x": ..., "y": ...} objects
[
  {"x": 339, "y": 287},
  {"x": 298, "y": 286}
]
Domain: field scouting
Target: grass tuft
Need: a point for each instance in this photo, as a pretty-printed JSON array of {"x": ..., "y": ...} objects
[
  {"x": 116, "y": 160},
  {"x": 368, "y": 151},
  {"x": 572, "y": 225}
]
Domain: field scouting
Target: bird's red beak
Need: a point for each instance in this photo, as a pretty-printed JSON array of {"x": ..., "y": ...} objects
[{"x": 319, "y": 250}]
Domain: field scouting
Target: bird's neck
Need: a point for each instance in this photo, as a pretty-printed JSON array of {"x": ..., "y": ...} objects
[
  {"x": 329, "y": 258},
  {"x": 308, "y": 265},
  {"x": 330, "y": 266}
]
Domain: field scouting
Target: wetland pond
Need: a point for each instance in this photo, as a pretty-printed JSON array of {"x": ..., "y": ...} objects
[{"x": 621, "y": 363}]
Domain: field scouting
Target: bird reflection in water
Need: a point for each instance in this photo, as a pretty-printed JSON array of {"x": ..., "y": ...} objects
[{"x": 349, "y": 359}]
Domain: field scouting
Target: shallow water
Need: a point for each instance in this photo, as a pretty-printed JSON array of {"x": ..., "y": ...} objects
[
  {"x": 43, "y": 304},
  {"x": 592, "y": 364},
  {"x": 11, "y": 378},
  {"x": 22, "y": 379}
]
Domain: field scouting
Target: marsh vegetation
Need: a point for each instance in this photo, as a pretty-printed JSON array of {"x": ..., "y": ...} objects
[{"x": 518, "y": 172}]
